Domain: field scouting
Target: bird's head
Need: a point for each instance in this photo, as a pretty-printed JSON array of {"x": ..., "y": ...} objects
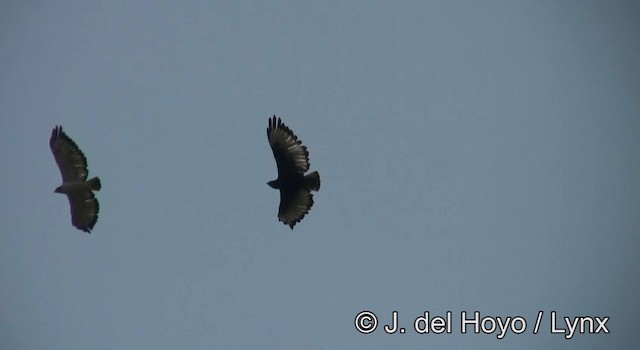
[
  {"x": 273, "y": 184},
  {"x": 58, "y": 190}
]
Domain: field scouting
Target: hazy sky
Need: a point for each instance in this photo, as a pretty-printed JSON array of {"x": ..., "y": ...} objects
[{"x": 474, "y": 156}]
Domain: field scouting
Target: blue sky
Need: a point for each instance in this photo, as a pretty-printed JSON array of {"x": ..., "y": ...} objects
[{"x": 474, "y": 156}]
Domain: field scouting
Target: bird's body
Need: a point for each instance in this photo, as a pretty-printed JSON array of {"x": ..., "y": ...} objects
[
  {"x": 292, "y": 159},
  {"x": 310, "y": 181},
  {"x": 72, "y": 187},
  {"x": 73, "y": 168}
]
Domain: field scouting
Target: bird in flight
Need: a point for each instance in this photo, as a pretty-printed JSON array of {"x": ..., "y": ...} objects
[
  {"x": 73, "y": 168},
  {"x": 292, "y": 159}
]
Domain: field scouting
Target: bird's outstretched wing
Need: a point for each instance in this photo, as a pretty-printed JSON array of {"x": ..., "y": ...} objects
[
  {"x": 70, "y": 159},
  {"x": 291, "y": 155},
  {"x": 84, "y": 210},
  {"x": 294, "y": 205}
]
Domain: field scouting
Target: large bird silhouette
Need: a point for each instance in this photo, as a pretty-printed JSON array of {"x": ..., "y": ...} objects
[
  {"x": 292, "y": 159},
  {"x": 73, "y": 168}
]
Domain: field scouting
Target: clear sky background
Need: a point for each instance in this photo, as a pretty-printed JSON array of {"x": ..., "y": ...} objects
[{"x": 474, "y": 156}]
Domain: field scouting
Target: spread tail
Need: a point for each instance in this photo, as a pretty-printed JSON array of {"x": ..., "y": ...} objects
[
  {"x": 94, "y": 184},
  {"x": 312, "y": 181}
]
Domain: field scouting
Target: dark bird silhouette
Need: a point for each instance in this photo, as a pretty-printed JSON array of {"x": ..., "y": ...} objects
[
  {"x": 292, "y": 159},
  {"x": 73, "y": 168}
]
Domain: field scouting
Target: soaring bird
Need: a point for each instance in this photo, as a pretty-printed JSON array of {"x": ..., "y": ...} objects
[
  {"x": 73, "y": 167},
  {"x": 292, "y": 159}
]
